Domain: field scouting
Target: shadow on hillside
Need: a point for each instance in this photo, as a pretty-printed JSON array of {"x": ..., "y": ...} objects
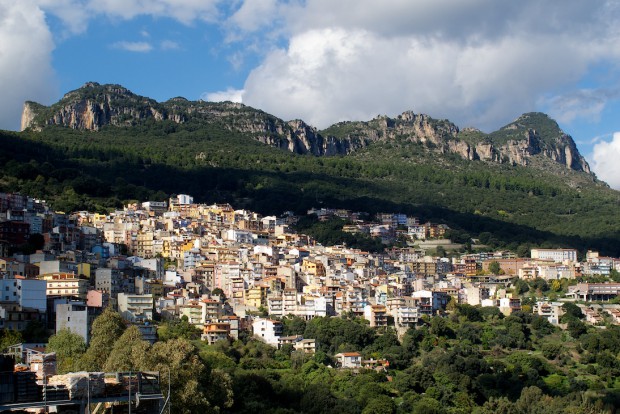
[{"x": 106, "y": 174}]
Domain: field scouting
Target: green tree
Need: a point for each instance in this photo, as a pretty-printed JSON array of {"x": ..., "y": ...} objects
[
  {"x": 178, "y": 328},
  {"x": 441, "y": 327},
  {"x": 35, "y": 331},
  {"x": 551, "y": 351},
  {"x": 106, "y": 329},
  {"x": 69, "y": 348},
  {"x": 427, "y": 405},
  {"x": 576, "y": 327},
  {"x": 521, "y": 286},
  {"x": 494, "y": 267},
  {"x": 571, "y": 311},
  {"x": 195, "y": 387},
  {"x": 130, "y": 352},
  {"x": 530, "y": 401},
  {"x": 381, "y": 404},
  {"x": 472, "y": 313},
  {"x": 9, "y": 337}
]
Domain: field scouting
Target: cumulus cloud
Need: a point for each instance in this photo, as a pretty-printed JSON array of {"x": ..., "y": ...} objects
[
  {"x": 329, "y": 75},
  {"x": 476, "y": 62},
  {"x": 25, "y": 69},
  {"x": 605, "y": 156},
  {"x": 230, "y": 94},
  {"x": 140, "y": 47},
  {"x": 254, "y": 14}
]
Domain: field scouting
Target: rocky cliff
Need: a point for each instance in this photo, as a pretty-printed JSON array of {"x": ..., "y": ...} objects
[{"x": 95, "y": 106}]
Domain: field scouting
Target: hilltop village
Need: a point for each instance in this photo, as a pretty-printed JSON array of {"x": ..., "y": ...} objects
[{"x": 228, "y": 271}]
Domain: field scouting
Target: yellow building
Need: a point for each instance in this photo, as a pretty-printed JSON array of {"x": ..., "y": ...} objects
[
  {"x": 313, "y": 267},
  {"x": 84, "y": 269},
  {"x": 256, "y": 296}
]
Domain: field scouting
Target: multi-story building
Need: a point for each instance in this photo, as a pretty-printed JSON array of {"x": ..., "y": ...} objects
[
  {"x": 557, "y": 255},
  {"x": 216, "y": 331},
  {"x": 135, "y": 307},
  {"x": 75, "y": 316},
  {"x": 65, "y": 285},
  {"x": 27, "y": 293},
  {"x": 550, "y": 310},
  {"x": 594, "y": 291},
  {"x": 16, "y": 317},
  {"x": 406, "y": 317},
  {"x": 268, "y": 330},
  {"x": 376, "y": 315}
]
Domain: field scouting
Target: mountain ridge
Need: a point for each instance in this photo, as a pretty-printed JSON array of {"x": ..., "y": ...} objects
[{"x": 95, "y": 106}]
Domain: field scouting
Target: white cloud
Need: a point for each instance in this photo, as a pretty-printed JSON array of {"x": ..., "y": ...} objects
[
  {"x": 329, "y": 75},
  {"x": 185, "y": 11},
  {"x": 587, "y": 104},
  {"x": 26, "y": 42},
  {"x": 255, "y": 14},
  {"x": 73, "y": 13},
  {"x": 169, "y": 45},
  {"x": 25, "y": 70},
  {"x": 230, "y": 94},
  {"x": 605, "y": 156},
  {"x": 476, "y": 62},
  {"x": 140, "y": 47},
  {"x": 76, "y": 14}
]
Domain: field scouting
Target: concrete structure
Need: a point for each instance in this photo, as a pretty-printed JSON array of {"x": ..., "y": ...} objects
[
  {"x": 557, "y": 255},
  {"x": 594, "y": 291},
  {"x": 135, "y": 307},
  {"x": 268, "y": 330},
  {"x": 28, "y": 293},
  {"x": 66, "y": 285},
  {"x": 349, "y": 359},
  {"x": 376, "y": 315},
  {"x": 75, "y": 317}
]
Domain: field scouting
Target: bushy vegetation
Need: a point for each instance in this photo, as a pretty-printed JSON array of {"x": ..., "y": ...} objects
[
  {"x": 474, "y": 360},
  {"x": 101, "y": 170}
]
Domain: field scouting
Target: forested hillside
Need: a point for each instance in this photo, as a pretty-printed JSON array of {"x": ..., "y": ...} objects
[
  {"x": 101, "y": 170},
  {"x": 474, "y": 360}
]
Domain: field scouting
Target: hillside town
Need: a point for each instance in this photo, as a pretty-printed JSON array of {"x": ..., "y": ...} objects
[{"x": 228, "y": 271}]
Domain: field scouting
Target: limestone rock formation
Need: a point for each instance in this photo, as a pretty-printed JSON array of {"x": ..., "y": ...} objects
[{"x": 94, "y": 106}]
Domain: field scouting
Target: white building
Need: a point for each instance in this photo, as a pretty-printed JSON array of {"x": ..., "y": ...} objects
[
  {"x": 349, "y": 359},
  {"x": 184, "y": 199},
  {"x": 268, "y": 330},
  {"x": 135, "y": 307},
  {"x": 557, "y": 255}
]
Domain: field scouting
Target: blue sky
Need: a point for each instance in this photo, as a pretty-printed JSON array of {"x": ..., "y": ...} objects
[{"x": 478, "y": 63}]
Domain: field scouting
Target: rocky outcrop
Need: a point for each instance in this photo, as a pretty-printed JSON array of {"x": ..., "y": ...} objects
[
  {"x": 535, "y": 134},
  {"x": 28, "y": 114},
  {"x": 94, "y": 106}
]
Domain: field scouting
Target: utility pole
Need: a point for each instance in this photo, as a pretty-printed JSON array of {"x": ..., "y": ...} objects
[
  {"x": 129, "y": 392},
  {"x": 169, "y": 396},
  {"x": 45, "y": 392},
  {"x": 88, "y": 394}
]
